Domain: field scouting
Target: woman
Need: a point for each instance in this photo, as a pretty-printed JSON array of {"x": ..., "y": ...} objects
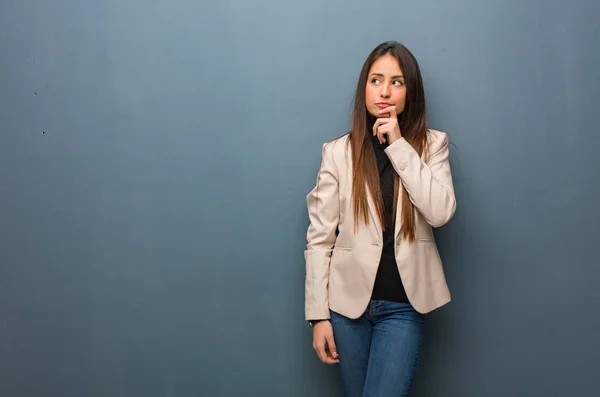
[{"x": 372, "y": 266}]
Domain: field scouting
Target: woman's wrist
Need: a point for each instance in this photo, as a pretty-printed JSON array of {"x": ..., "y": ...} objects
[{"x": 313, "y": 322}]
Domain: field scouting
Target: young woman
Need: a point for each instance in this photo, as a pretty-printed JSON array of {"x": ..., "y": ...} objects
[{"x": 372, "y": 266}]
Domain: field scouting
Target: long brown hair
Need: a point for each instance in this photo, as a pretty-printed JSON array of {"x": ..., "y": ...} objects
[{"x": 413, "y": 125}]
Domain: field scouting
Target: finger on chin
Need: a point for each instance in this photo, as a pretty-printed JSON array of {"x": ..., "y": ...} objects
[
  {"x": 392, "y": 111},
  {"x": 389, "y": 111}
]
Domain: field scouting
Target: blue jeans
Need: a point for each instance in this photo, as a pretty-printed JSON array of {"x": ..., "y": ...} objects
[{"x": 378, "y": 351}]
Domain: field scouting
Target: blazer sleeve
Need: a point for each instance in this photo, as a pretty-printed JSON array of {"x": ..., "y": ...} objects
[
  {"x": 323, "y": 211},
  {"x": 429, "y": 185}
]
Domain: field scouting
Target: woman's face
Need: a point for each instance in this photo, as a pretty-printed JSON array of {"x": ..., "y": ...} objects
[{"x": 385, "y": 86}]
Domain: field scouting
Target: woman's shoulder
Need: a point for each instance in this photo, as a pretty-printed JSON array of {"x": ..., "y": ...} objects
[
  {"x": 335, "y": 152},
  {"x": 436, "y": 135},
  {"x": 338, "y": 146},
  {"x": 436, "y": 140}
]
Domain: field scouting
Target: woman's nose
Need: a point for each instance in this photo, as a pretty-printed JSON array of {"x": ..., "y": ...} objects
[{"x": 385, "y": 91}]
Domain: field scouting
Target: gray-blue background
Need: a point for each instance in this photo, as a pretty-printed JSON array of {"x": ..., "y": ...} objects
[{"x": 154, "y": 162}]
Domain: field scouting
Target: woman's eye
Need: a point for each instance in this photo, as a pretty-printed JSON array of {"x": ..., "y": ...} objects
[
  {"x": 398, "y": 83},
  {"x": 375, "y": 81}
]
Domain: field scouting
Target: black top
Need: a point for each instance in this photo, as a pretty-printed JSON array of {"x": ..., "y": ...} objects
[{"x": 388, "y": 285}]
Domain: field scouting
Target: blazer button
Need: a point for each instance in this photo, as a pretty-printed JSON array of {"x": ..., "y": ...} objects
[{"x": 402, "y": 166}]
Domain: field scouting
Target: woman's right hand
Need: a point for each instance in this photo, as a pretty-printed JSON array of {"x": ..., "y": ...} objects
[{"x": 323, "y": 342}]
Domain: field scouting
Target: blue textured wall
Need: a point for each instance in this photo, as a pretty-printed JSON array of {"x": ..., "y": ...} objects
[{"x": 154, "y": 162}]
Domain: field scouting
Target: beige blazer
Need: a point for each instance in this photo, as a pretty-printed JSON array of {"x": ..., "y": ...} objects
[{"x": 341, "y": 270}]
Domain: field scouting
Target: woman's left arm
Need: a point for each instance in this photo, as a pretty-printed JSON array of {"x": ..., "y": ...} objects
[{"x": 429, "y": 185}]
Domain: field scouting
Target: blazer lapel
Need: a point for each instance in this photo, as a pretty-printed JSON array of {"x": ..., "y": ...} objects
[
  {"x": 398, "y": 222},
  {"x": 376, "y": 223}
]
